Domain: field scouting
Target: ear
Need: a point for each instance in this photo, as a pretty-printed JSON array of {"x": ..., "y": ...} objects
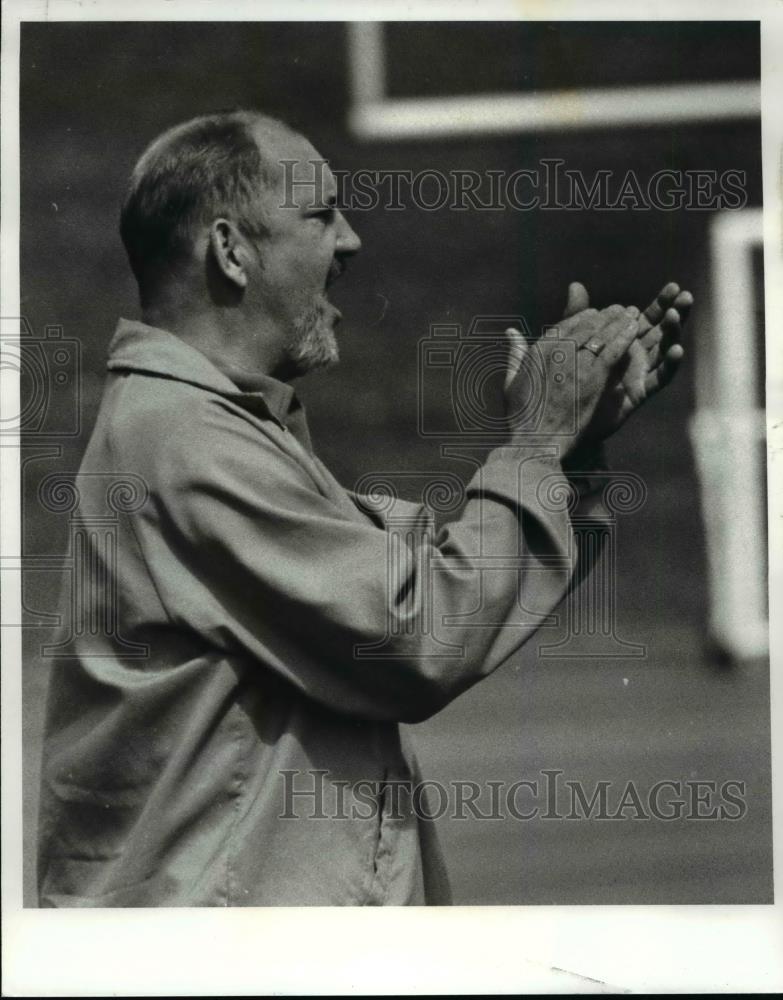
[{"x": 230, "y": 251}]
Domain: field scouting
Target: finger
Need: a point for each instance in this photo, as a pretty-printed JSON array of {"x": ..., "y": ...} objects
[
  {"x": 683, "y": 304},
  {"x": 517, "y": 348},
  {"x": 652, "y": 338},
  {"x": 619, "y": 336},
  {"x": 661, "y": 337},
  {"x": 595, "y": 325},
  {"x": 672, "y": 330},
  {"x": 581, "y": 327},
  {"x": 577, "y": 300},
  {"x": 665, "y": 371},
  {"x": 654, "y": 313},
  {"x": 636, "y": 372},
  {"x": 671, "y": 323}
]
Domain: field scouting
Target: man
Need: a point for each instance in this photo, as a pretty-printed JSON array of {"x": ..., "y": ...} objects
[{"x": 253, "y": 583}]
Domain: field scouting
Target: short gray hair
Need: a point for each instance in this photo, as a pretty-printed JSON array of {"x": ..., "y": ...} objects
[{"x": 206, "y": 167}]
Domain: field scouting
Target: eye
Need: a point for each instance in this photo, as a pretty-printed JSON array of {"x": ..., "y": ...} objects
[{"x": 323, "y": 216}]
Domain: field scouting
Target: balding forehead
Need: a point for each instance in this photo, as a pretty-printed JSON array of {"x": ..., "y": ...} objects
[
  {"x": 277, "y": 142},
  {"x": 290, "y": 156}
]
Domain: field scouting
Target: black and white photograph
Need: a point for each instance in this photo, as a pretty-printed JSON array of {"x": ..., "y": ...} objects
[{"x": 388, "y": 520}]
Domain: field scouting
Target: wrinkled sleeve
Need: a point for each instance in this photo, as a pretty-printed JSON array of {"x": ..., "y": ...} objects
[{"x": 381, "y": 624}]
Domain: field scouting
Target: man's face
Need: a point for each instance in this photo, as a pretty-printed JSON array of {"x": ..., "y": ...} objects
[{"x": 308, "y": 243}]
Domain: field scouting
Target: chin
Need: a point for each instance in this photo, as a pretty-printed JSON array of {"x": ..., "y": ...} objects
[
  {"x": 317, "y": 358},
  {"x": 315, "y": 344}
]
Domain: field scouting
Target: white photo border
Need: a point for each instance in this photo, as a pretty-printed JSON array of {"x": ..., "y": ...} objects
[{"x": 418, "y": 950}]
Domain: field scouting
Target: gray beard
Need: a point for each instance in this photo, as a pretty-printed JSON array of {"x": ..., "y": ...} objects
[{"x": 313, "y": 344}]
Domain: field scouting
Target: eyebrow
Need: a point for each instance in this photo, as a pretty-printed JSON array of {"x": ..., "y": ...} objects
[{"x": 329, "y": 201}]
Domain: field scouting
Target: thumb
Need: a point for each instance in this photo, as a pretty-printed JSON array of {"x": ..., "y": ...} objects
[
  {"x": 578, "y": 299},
  {"x": 517, "y": 349},
  {"x": 636, "y": 373}
]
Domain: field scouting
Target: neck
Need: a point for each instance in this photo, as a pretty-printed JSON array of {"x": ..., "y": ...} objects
[{"x": 226, "y": 336}]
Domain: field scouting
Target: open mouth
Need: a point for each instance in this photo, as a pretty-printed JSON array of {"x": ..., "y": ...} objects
[{"x": 335, "y": 270}]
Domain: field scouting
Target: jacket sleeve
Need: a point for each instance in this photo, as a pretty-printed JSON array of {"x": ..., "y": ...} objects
[
  {"x": 587, "y": 474},
  {"x": 383, "y": 624}
]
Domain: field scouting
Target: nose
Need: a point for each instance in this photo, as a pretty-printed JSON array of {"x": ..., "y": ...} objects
[{"x": 348, "y": 243}]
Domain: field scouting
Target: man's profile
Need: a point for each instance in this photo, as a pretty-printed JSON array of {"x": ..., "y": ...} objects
[{"x": 251, "y": 577}]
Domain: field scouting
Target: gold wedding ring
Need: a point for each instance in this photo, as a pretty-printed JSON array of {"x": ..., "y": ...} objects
[{"x": 594, "y": 346}]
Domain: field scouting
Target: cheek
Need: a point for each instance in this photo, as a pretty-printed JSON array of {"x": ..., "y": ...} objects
[
  {"x": 295, "y": 271},
  {"x": 286, "y": 284}
]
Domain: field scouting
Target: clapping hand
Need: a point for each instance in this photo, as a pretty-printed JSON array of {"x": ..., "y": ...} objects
[{"x": 652, "y": 360}]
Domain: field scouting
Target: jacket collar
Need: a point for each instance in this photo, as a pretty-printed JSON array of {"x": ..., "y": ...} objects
[{"x": 142, "y": 348}]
